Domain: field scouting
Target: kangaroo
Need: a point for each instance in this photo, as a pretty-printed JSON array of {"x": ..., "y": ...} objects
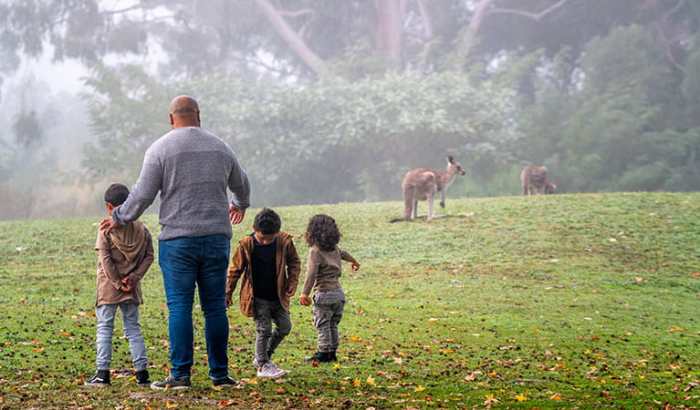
[
  {"x": 534, "y": 181},
  {"x": 422, "y": 184}
]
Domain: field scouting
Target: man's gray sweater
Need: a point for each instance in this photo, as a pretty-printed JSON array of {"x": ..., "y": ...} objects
[{"x": 191, "y": 167}]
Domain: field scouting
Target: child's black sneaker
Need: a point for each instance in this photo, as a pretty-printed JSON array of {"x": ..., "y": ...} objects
[
  {"x": 225, "y": 382},
  {"x": 321, "y": 357},
  {"x": 334, "y": 357},
  {"x": 172, "y": 383},
  {"x": 142, "y": 378},
  {"x": 100, "y": 379}
]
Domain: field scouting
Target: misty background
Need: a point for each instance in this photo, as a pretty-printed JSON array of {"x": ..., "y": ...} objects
[{"x": 334, "y": 100}]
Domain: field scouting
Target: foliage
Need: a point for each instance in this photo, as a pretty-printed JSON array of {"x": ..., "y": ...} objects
[
  {"x": 613, "y": 121},
  {"x": 585, "y": 301},
  {"x": 354, "y": 139}
]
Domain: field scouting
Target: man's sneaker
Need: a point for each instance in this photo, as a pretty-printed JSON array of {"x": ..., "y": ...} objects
[
  {"x": 142, "y": 378},
  {"x": 100, "y": 379},
  {"x": 225, "y": 382},
  {"x": 270, "y": 370},
  {"x": 334, "y": 357},
  {"x": 322, "y": 357},
  {"x": 172, "y": 383}
]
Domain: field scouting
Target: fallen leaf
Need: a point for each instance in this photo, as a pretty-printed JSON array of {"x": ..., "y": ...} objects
[
  {"x": 521, "y": 397},
  {"x": 225, "y": 403},
  {"x": 170, "y": 405},
  {"x": 472, "y": 376},
  {"x": 490, "y": 400},
  {"x": 676, "y": 329},
  {"x": 419, "y": 388},
  {"x": 433, "y": 319},
  {"x": 696, "y": 275},
  {"x": 357, "y": 383},
  {"x": 280, "y": 390},
  {"x": 370, "y": 381},
  {"x": 398, "y": 360},
  {"x": 555, "y": 397}
]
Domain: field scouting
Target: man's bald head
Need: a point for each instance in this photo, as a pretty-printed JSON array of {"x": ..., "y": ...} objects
[{"x": 184, "y": 112}]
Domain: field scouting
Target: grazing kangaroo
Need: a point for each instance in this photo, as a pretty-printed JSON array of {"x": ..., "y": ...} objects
[
  {"x": 534, "y": 181},
  {"x": 422, "y": 184}
]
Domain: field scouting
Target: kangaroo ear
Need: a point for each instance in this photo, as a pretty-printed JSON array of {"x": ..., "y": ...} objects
[{"x": 450, "y": 159}]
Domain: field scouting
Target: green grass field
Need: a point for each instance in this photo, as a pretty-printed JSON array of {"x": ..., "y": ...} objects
[{"x": 571, "y": 301}]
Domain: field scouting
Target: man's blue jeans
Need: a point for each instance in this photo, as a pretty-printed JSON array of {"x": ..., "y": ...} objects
[{"x": 188, "y": 263}]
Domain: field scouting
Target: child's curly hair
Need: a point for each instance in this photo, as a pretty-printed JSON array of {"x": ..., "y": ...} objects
[{"x": 323, "y": 232}]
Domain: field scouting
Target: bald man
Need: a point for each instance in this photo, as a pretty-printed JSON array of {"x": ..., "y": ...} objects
[{"x": 191, "y": 168}]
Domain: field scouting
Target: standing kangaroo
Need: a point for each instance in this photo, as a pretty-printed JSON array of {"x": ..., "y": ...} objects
[
  {"x": 422, "y": 184},
  {"x": 534, "y": 181}
]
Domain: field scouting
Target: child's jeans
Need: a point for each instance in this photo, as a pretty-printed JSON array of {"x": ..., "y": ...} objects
[
  {"x": 328, "y": 310},
  {"x": 132, "y": 330},
  {"x": 268, "y": 339}
]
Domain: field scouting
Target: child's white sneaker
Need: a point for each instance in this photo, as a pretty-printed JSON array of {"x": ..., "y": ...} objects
[{"x": 270, "y": 370}]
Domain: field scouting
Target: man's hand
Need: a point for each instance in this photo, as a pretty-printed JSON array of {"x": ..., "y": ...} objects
[
  {"x": 107, "y": 225},
  {"x": 355, "y": 266},
  {"x": 235, "y": 214},
  {"x": 305, "y": 300}
]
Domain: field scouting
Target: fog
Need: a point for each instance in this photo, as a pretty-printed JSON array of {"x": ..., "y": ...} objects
[{"x": 335, "y": 101}]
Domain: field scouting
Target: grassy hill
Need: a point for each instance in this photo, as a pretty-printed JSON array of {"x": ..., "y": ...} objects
[{"x": 559, "y": 301}]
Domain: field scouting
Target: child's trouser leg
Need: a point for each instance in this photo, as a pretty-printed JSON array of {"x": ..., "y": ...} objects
[
  {"x": 328, "y": 310},
  {"x": 105, "y": 328},
  {"x": 322, "y": 320},
  {"x": 335, "y": 320},
  {"x": 283, "y": 326},
  {"x": 132, "y": 331},
  {"x": 263, "y": 327}
]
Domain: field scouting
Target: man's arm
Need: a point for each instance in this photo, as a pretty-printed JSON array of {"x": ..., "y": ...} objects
[
  {"x": 293, "y": 269},
  {"x": 239, "y": 185},
  {"x": 141, "y": 197}
]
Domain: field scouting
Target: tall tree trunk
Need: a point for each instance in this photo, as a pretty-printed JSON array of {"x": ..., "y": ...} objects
[
  {"x": 389, "y": 30},
  {"x": 291, "y": 37},
  {"x": 475, "y": 25}
]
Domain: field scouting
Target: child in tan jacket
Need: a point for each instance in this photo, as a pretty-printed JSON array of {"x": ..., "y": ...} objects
[{"x": 124, "y": 255}]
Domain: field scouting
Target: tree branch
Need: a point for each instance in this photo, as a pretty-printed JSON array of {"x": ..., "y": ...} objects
[
  {"x": 425, "y": 17},
  {"x": 293, "y": 40},
  {"x": 675, "y": 8},
  {"x": 474, "y": 27},
  {"x": 296, "y": 13},
  {"x": 124, "y": 10},
  {"x": 534, "y": 16},
  {"x": 667, "y": 46}
]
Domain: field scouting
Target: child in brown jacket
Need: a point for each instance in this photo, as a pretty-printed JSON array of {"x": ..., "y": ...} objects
[
  {"x": 323, "y": 275},
  {"x": 269, "y": 264},
  {"x": 124, "y": 255}
]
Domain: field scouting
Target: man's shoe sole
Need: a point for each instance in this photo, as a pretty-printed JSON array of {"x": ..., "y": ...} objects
[
  {"x": 170, "y": 387},
  {"x": 96, "y": 385},
  {"x": 225, "y": 386}
]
